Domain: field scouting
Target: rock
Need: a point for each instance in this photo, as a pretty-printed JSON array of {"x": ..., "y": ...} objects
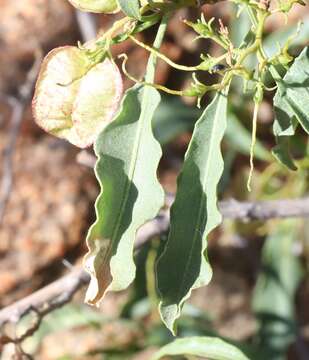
[
  {"x": 26, "y": 26},
  {"x": 47, "y": 214}
]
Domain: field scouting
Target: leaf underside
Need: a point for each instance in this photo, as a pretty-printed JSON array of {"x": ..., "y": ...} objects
[
  {"x": 206, "y": 347},
  {"x": 183, "y": 266},
  {"x": 128, "y": 156}
]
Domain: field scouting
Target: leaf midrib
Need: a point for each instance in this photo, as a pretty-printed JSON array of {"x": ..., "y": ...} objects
[
  {"x": 141, "y": 122},
  {"x": 201, "y": 202}
]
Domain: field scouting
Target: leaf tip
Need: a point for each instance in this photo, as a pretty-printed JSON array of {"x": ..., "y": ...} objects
[
  {"x": 283, "y": 155},
  {"x": 98, "y": 268},
  {"x": 169, "y": 314}
]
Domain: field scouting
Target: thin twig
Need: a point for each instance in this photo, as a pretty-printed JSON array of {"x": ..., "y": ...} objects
[
  {"x": 263, "y": 210},
  {"x": 18, "y": 105},
  {"x": 85, "y": 158},
  {"x": 8, "y": 152},
  {"x": 42, "y": 302},
  {"x": 87, "y": 25},
  {"x": 232, "y": 209}
]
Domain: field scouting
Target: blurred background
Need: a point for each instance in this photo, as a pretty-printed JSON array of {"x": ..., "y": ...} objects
[{"x": 47, "y": 194}]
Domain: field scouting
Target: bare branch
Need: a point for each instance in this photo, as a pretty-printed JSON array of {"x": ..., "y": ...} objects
[
  {"x": 87, "y": 25},
  {"x": 62, "y": 290},
  {"x": 42, "y": 302},
  {"x": 231, "y": 209},
  {"x": 263, "y": 210},
  {"x": 18, "y": 105},
  {"x": 234, "y": 209},
  {"x": 85, "y": 158}
]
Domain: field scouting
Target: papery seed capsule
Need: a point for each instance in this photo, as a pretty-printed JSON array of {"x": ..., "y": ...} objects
[
  {"x": 96, "y": 6},
  {"x": 75, "y": 99}
]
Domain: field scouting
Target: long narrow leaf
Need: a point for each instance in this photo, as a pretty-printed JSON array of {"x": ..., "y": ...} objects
[
  {"x": 128, "y": 156},
  {"x": 274, "y": 295},
  {"x": 208, "y": 347},
  {"x": 183, "y": 265}
]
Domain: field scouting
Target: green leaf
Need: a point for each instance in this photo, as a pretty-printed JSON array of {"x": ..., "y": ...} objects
[
  {"x": 274, "y": 294},
  {"x": 74, "y": 98},
  {"x": 280, "y": 37},
  {"x": 128, "y": 156},
  {"x": 282, "y": 152},
  {"x": 183, "y": 266},
  {"x": 291, "y": 105},
  {"x": 173, "y": 118},
  {"x": 130, "y": 8},
  {"x": 208, "y": 347},
  {"x": 240, "y": 26},
  {"x": 239, "y": 138},
  {"x": 96, "y": 6},
  {"x": 292, "y": 97}
]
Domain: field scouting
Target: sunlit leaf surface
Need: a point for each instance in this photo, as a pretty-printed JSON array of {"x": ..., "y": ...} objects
[
  {"x": 206, "y": 347},
  {"x": 128, "y": 157}
]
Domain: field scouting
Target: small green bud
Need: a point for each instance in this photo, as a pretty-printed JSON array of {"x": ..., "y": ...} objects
[
  {"x": 208, "y": 63},
  {"x": 196, "y": 89},
  {"x": 244, "y": 73},
  {"x": 285, "y": 58},
  {"x": 203, "y": 28},
  {"x": 259, "y": 94},
  {"x": 286, "y": 6}
]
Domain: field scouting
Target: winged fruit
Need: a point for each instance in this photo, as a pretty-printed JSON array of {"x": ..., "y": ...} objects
[{"x": 75, "y": 98}]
